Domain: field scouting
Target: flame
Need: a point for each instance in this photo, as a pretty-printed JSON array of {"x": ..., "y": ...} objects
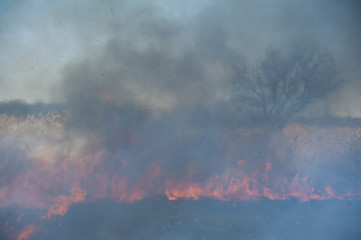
[
  {"x": 240, "y": 162},
  {"x": 20, "y": 217},
  {"x": 26, "y": 232},
  {"x": 52, "y": 175},
  {"x": 235, "y": 186},
  {"x": 63, "y": 203}
]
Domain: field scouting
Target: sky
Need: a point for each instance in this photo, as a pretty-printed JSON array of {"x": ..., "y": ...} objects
[{"x": 162, "y": 54}]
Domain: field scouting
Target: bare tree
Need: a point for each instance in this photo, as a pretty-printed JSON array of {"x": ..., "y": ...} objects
[{"x": 282, "y": 85}]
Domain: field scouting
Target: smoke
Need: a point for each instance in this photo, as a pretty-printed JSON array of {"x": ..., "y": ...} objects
[
  {"x": 41, "y": 38},
  {"x": 152, "y": 69},
  {"x": 145, "y": 58}
]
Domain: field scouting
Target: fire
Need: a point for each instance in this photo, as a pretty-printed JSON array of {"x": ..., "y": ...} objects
[
  {"x": 20, "y": 217},
  {"x": 241, "y": 161},
  {"x": 26, "y": 232},
  {"x": 51, "y": 174},
  {"x": 63, "y": 203},
  {"x": 233, "y": 185},
  {"x": 189, "y": 191}
]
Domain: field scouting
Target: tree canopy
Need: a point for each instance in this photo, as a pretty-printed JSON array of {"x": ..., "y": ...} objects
[{"x": 283, "y": 84}]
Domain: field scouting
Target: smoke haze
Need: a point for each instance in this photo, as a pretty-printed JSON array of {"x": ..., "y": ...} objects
[{"x": 163, "y": 54}]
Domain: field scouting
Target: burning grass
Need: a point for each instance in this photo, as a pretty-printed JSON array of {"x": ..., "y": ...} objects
[{"x": 47, "y": 166}]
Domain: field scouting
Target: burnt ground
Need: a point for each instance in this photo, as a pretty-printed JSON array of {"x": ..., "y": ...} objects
[{"x": 201, "y": 219}]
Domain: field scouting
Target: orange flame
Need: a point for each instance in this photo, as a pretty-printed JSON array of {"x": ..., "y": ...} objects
[
  {"x": 234, "y": 186},
  {"x": 26, "y": 232},
  {"x": 240, "y": 162},
  {"x": 51, "y": 172},
  {"x": 20, "y": 217},
  {"x": 63, "y": 203}
]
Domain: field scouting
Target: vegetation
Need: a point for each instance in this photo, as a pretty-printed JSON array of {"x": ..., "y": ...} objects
[{"x": 282, "y": 85}]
